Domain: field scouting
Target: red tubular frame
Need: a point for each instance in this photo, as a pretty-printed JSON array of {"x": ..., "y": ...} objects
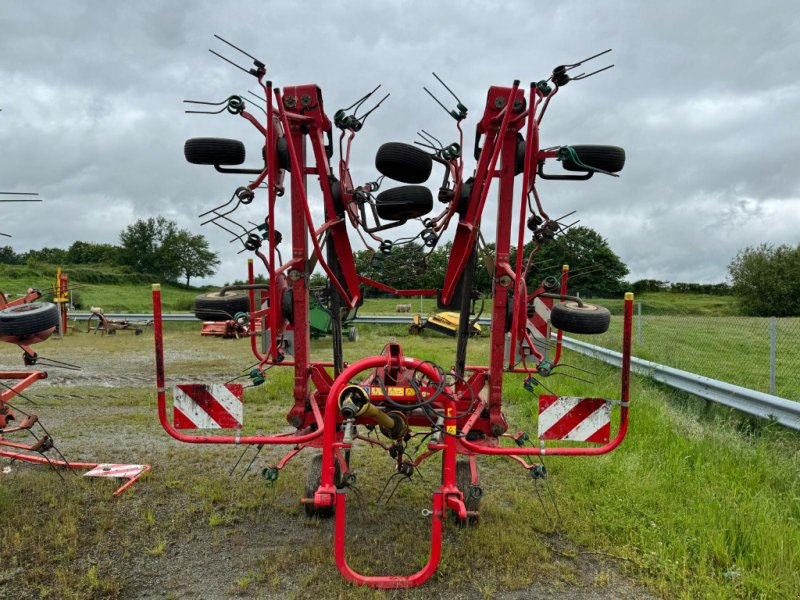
[
  {"x": 212, "y": 439},
  {"x": 623, "y": 425},
  {"x": 447, "y": 496}
]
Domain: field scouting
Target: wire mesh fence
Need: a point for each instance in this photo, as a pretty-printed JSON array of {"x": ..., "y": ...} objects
[{"x": 760, "y": 353}]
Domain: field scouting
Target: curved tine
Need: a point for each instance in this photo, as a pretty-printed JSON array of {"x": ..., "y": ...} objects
[
  {"x": 587, "y": 75},
  {"x": 214, "y": 222},
  {"x": 218, "y": 215},
  {"x": 572, "y": 367},
  {"x": 579, "y": 63},
  {"x": 232, "y": 222},
  {"x": 256, "y": 96},
  {"x": 434, "y": 138},
  {"x": 361, "y": 100},
  {"x": 571, "y": 377},
  {"x": 223, "y": 40},
  {"x": 233, "y": 195},
  {"x": 444, "y": 108},
  {"x": 229, "y": 61},
  {"x": 206, "y": 103},
  {"x": 363, "y": 118},
  {"x": 439, "y": 79}
]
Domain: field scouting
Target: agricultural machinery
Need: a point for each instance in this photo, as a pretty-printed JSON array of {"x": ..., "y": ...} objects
[
  {"x": 23, "y": 322},
  {"x": 391, "y": 401}
]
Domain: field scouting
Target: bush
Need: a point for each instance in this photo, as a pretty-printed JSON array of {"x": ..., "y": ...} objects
[{"x": 766, "y": 280}]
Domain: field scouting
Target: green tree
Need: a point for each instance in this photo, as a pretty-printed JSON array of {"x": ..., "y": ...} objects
[
  {"x": 81, "y": 253},
  {"x": 766, "y": 280},
  {"x": 47, "y": 255},
  {"x": 157, "y": 247},
  {"x": 594, "y": 267},
  {"x": 191, "y": 255},
  {"x": 9, "y": 257},
  {"x": 143, "y": 247}
]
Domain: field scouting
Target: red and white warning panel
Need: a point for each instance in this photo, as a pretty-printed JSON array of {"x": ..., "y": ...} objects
[
  {"x": 215, "y": 406},
  {"x": 574, "y": 419},
  {"x": 117, "y": 471}
]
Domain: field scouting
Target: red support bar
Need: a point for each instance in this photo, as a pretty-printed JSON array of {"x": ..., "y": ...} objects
[
  {"x": 158, "y": 335},
  {"x": 623, "y": 425}
]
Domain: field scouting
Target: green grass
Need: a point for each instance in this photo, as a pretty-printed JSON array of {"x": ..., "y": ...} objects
[
  {"x": 732, "y": 349},
  {"x": 110, "y": 288},
  {"x": 697, "y": 502}
]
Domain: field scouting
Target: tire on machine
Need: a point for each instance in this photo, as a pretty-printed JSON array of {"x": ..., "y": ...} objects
[
  {"x": 212, "y": 306},
  {"x": 569, "y": 316},
  {"x": 28, "y": 319}
]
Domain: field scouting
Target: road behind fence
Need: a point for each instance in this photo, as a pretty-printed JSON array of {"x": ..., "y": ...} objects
[{"x": 760, "y": 353}]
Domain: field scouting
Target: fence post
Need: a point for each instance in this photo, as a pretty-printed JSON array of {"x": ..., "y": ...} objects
[
  {"x": 772, "y": 345},
  {"x": 639, "y": 322}
]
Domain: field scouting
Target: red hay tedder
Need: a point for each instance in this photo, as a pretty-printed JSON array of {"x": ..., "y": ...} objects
[{"x": 456, "y": 412}]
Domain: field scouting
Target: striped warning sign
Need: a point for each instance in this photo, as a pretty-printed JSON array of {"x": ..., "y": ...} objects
[
  {"x": 200, "y": 406},
  {"x": 574, "y": 419},
  {"x": 110, "y": 470}
]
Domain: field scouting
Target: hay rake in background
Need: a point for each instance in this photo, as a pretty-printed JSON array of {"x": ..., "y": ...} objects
[
  {"x": 26, "y": 321},
  {"x": 391, "y": 401}
]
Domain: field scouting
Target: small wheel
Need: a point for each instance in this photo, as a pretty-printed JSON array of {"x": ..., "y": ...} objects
[
  {"x": 28, "y": 319},
  {"x": 137, "y": 332},
  {"x": 313, "y": 481},
  {"x": 607, "y": 158},
  {"x": 352, "y": 334},
  {"x": 214, "y": 151},
  {"x": 569, "y": 316},
  {"x": 403, "y": 162},
  {"x": 213, "y": 306},
  {"x": 472, "y": 500},
  {"x": 404, "y": 202}
]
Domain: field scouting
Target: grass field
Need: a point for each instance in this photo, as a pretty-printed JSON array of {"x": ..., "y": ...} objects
[
  {"x": 697, "y": 502},
  {"x": 732, "y": 349}
]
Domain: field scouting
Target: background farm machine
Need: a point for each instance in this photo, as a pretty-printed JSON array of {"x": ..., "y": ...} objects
[{"x": 455, "y": 412}]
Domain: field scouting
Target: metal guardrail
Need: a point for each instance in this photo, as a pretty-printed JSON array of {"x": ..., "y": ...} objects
[
  {"x": 766, "y": 406},
  {"x": 786, "y": 412}
]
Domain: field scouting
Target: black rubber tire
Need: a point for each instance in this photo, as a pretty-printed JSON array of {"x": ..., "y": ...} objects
[
  {"x": 352, "y": 334},
  {"x": 519, "y": 159},
  {"x": 570, "y": 317},
  {"x": 287, "y": 305},
  {"x": 607, "y": 158},
  {"x": 28, "y": 319},
  {"x": 464, "y": 483},
  {"x": 214, "y": 151},
  {"x": 313, "y": 480},
  {"x": 282, "y": 150},
  {"x": 404, "y": 202},
  {"x": 213, "y": 307},
  {"x": 403, "y": 162}
]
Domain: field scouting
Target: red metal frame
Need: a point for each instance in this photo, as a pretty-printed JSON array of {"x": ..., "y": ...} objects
[{"x": 298, "y": 114}]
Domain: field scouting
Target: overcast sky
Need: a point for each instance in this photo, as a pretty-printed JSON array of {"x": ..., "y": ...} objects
[{"x": 704, "y": 97}]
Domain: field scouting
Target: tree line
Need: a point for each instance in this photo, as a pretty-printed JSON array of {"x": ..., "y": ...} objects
[{"x": 154, "y": 246}]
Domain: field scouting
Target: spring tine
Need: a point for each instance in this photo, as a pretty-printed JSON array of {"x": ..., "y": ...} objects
[
  {"x": 229, "y": 61},
  {"x": 587, "y": 75},
  {"x": 256, "y": 96},
  {"x": 255, "y": 60},
  {"x": 437, "y": 100},
  {"x": 208, "y": 212},
  {"x": 206, "y": 103},
  {"x": 434, "y": 138},
  {"x": 250, "y": 464},
  {"x": 439, "y": 79},
  {"x": 573, "y": 367},
  {"x": 19, "y": 193},
  {"x": 579, "y": 63},
  {"x": 372, "y": 110},
  {"x": 361, "y": 100}
]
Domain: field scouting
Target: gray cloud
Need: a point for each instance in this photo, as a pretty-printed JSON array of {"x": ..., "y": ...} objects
[{"x": 703, "y": 97}]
